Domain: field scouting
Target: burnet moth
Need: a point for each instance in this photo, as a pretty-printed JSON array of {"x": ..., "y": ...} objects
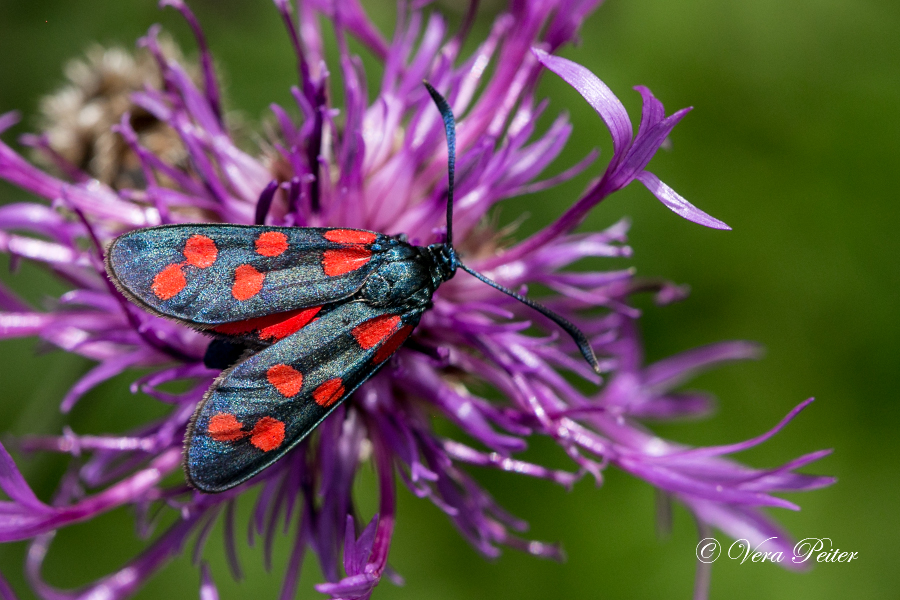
[{"x": 301, "y": 317}]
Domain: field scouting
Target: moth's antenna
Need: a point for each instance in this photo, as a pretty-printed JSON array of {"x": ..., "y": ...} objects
[
  {"x": 450, "y": 128},
  {"x": 580, "y": 339}
]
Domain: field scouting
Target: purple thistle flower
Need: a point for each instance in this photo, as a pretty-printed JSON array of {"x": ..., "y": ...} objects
[{"x": 378, "y": 166}]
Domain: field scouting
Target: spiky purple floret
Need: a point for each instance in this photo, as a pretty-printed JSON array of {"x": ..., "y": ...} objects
[{"x": 382, "y": 167}]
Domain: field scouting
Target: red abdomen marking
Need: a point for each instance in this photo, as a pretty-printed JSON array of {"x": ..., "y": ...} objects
[
  {"x": 392, "y": 344},
  {"x": 247, "y": 282},
  {"x": 286, "y": 379},
  {"x": 224, "y": 427},
  {"x": 267, "y": 434},
  {"x": 275, "y": 327},
  {"x": 349, "y": 236},
  {"x": 344, "y": 260},
  {"x": 200, "y": 251},
  {"x": 329, "y": 392},
  {"x": 271, "y": 243},
  {"x": 168, "y": 282},
  {"x": 291, "y": 325},
  {"x": 374, "y": 331}
]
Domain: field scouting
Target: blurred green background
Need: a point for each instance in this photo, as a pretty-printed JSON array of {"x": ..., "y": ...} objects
[{"x": 793, "y": 142}]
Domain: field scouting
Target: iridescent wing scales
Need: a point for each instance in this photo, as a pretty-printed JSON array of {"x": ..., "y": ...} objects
[
  {"x": 212, "y": 274},
  {"x": 265, "y": 405}
]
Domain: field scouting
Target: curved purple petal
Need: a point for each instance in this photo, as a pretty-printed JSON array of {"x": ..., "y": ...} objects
[
  {"x": 677, "y": 204},
  {"x": 597, "y": 94}
]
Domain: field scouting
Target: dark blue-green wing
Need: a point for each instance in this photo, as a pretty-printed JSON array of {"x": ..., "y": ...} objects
[
  {"x": 212, "y": 274},
  {"x": 264, "y": 406}
]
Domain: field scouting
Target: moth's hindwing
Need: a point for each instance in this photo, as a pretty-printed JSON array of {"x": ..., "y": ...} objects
[
  {"x": 265, "y": 405},
  {"x": 208, "y": 275}
]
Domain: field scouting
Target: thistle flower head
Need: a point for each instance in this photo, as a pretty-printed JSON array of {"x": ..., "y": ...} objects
[{"x": 378, "y": 165}]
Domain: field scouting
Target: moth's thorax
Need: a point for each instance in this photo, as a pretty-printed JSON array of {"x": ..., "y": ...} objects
[
  {"x": 442, "y": 259},
  {"x": 409, "y": 275}
]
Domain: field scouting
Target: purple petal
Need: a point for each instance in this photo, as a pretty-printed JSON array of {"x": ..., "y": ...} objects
[
  {"x": 652, "y": 112},
  {"x": 105, "y": 370},
  {"x": 732, "y": 448},
  {"x": 208, "y": 589},
  {"x": 11, "y": 302},
  {"x": 209, "y": 76},
  {"x": 37, "y": 218},
  {"x": 671, "y": 372},
  {"x": 749, "y": 524},
  {"x": 677, "y": 204},
  {"x": 24, "y": 324},
  {"x": 645, "y": 146},
  {"x": 127, "y": 580},
  {"x": 598, "y": 95},
  {"x": 6, "y": 592},
  {"x": 9, "y": 119},
  {"x": 14, "y": 485},
  {"x": 674, "y": 481},
  {"x": 672, "y": 406},
  {"x": 27, "y": 520}
]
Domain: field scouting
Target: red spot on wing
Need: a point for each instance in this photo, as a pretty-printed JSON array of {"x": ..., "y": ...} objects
[
  {"x": 329, "y": 392},
  {"x": 247, "y": 282},
  {"x": 277, "y": 326},
  {"x": 271, "y": 243},
  {"x": 392, "y": 344},
  {"x": 224, "y": 427},
  {"x": 344, "y": 260},
  {"x": 200, "y": 251},
  {"x": 286, "y": 379},
  {"x": 374, "y": 331},
  {"x": 168, "y": 282},
  {"x": 350, "y": 236},
  {"x": 267, "y": 434}
]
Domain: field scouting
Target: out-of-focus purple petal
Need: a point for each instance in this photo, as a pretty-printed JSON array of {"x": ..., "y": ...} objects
[
  {"x": 24, "y": 324},
  {"x": 208, "y": 589},
  {"x": 732, "y": 448},
  {"x": 11, "y": 302},
  {"x": 750, "y": 524},
  {"x": 6, "y": 592},
  {"x": 98, "y": 375},
  {"x": 670, "y": 372},
  {"x": 784, "y": 479},
  {"x": 39, "y": 250},
  {"x": 209, "y": 78},
  {"x": 354, "y": 18},
  {"x": 37, "y": 218},
  {"x": 567, "y": 21},
  {"x": 27, "y": 520},
  {"x": 9, "y": 119},
  {"x": 676, "y": 203},
  {"x": 672, "y": 406},
  {"x": 597, "y": 94},
  {"x": 124, "y": 582},
  {"x": 41, "y": 143},
  {"x": 674, "y": 481},
  {"x": 566, "y": 175},
  {"x": 15, "y": 486}
]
